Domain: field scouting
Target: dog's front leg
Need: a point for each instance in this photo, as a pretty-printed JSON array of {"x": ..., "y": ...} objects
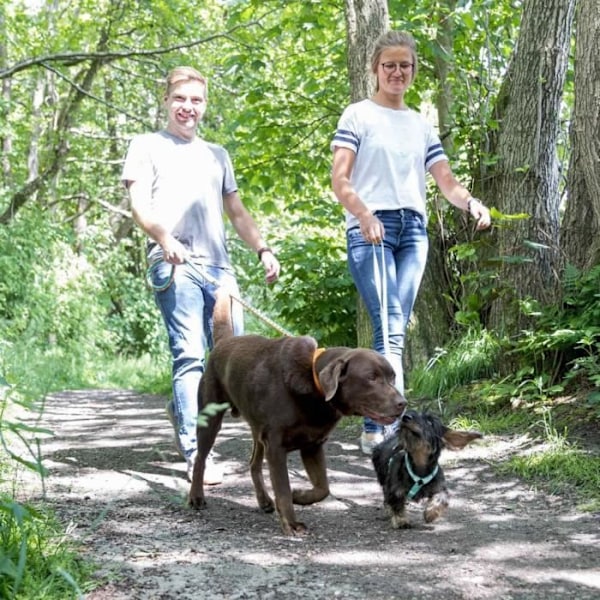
[
  {"x": 436, "y": 506},
  {"x": 280, "y": 480},
  {"x": 395, "y": 503},
  {"x": 314, "y": 463},
  {"x": 262, "y": 497}
]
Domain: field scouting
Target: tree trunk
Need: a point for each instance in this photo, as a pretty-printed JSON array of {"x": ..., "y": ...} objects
[
  {"x": 525, "y": 178},
  {"x": 581, "y": 224},
  {"x": 432, "y": 316},
  {"x": 366, "y": 20}
]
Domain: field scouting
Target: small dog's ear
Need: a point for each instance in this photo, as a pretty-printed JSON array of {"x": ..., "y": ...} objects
[
  {"x": 329, "y": 377},
  {"x": 456, "y": 440}
]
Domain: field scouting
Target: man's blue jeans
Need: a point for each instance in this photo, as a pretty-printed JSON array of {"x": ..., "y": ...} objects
[
  {"x": 405, "y": 248},
  {"x": 187, "y": 307}
]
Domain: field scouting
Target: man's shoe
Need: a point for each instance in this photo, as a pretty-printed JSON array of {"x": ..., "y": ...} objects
[
  {"x": 213, "y": 473},
  {"x": 368, "y": 441}
]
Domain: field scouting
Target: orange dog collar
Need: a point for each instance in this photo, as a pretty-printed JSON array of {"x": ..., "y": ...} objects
[{"x": 316, "y": 355}]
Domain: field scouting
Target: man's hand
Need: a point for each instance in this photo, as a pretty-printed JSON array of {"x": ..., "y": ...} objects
[{"x": 271, "y": 265}]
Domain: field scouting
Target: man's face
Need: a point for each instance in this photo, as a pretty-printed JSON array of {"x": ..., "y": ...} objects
[{"x": 186, "y": 105}]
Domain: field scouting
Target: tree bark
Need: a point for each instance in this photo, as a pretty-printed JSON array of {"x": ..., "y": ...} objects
[
  {"x": 525, "y": 178},
  {"x": 581, "y": 223},
  {"x": 366, "y": 20}
]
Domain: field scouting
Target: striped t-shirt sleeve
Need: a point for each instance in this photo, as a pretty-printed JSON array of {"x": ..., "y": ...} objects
[
  {"x": 433, "y": 151},
  {"x": 345, "y": 138}
]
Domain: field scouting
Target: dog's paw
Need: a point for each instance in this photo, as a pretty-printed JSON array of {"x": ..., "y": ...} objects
[
  {"x": 295, "y": 528},
  {"x": 435, "y": 508},
  {"x": 431, "y": 514},
  {"x": 266, "y": 505},
  {"x": 400, "y": 522},
  {"x": 196, "y": 502}
]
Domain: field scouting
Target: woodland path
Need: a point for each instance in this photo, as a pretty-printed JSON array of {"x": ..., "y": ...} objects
[{"x": 118, "y": 485}]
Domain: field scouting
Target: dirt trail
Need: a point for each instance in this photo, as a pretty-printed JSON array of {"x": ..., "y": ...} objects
[{"x": 118, "y": 484}]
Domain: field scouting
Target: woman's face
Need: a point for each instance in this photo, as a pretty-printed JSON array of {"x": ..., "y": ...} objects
[
  {"x": 186, "y": 105},
  {"x": 395, "y": 70}
]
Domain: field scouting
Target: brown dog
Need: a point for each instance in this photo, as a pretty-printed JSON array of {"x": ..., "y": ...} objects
[{"x": 292, "y": 394}]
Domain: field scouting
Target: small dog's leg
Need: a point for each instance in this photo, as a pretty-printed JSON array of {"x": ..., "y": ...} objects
[
  {"x": 436, "y": 507},
  {"x": 398, "y": 516},
  {"x": 256, "y": 463},
  {"x": 314, "y": 463}
]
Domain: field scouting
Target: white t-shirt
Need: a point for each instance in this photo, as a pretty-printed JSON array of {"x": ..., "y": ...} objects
[
  {"x": 394, "y": 150},
  {"x": 189, "y": 180}
]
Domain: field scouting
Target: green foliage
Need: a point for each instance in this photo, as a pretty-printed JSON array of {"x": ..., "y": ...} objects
[
  {"x": 315, "y": 294},
  {"x": 561, "y": 467},
  {"x": 563, "y": 346},
  {"x": 37, "y": 560},
  {"x": 558, "y": 354},
  {"x": 45, "y": 295},
  {"x": 473, "y": 356},
  {"x": 133, "y": 318}
]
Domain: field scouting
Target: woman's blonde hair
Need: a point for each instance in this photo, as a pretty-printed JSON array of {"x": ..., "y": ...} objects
[
  {"x": 179, "y": 74},
  {"x": 392, "y": 39}
]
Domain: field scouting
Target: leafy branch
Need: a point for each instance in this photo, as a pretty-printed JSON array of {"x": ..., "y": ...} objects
[{"x": 74, "y": 58}]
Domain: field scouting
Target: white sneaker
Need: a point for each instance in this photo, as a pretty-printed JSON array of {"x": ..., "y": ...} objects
[
  {"x": 213, "y": 473},
  {"x": 368, "y": 441}
]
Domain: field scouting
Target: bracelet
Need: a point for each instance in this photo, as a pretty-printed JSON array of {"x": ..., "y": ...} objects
[
  {"x": 262, "y": 250},
  {"x": 469, "y": 201}
]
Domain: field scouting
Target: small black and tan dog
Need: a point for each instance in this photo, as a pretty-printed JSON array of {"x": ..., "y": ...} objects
[{"x": 407, "y": 466}]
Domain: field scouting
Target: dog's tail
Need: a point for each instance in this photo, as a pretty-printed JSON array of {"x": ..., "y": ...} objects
[{"x": 222, "y": 316}]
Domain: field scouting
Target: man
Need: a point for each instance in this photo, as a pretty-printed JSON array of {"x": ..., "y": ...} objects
[{"x": 179, "y": 186}]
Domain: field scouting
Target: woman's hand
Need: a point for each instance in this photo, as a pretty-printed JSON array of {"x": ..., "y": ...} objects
[
  {"x": 371, "y": 228},
  {"x": 480, "y": 212}
]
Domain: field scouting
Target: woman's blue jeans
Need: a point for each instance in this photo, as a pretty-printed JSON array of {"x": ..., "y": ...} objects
[
  {"x": 187, "y": 307},
  {"x": 405, "y": 248}
]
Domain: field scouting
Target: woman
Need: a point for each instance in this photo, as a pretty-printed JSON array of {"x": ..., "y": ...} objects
[{"x": 382, "y": 151}]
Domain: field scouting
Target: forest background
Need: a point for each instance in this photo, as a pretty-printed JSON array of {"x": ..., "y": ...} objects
[{"x": 509, "y": 317}]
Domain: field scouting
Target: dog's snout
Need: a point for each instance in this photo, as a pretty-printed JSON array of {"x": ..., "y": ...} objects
[{"x": 401, "y": 401}]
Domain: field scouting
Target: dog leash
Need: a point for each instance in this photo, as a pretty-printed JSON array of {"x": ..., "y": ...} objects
[
  {"x": 216, "y": 283},
  {"x": 381, "y": 285}
]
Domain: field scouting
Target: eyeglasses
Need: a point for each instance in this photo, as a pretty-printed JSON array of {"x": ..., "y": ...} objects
[{"x": 390, "y": 67}]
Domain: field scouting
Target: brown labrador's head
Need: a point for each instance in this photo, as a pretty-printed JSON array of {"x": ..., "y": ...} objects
[{"x": 361, "y": 382}]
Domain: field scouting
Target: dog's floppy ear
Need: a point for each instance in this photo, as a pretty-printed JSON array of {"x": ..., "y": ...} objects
[
  {"x": 456, "y": 440},
  {"x": 329, "y": 377}
]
